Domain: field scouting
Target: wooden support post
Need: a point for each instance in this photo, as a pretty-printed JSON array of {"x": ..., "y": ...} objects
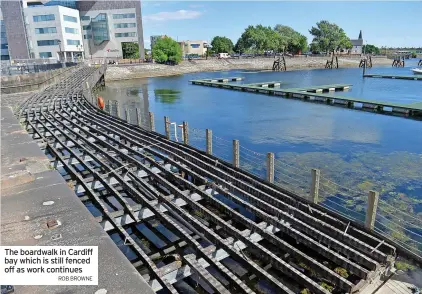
[
  {"x": 138, "y": 117},
  {"x": 236, "y": 153},
  {"x": 364, "y": 68},
  {"x": 315, "y": 184},
  {"x": 151, "y": 122},
  {"x": 167, "y": 126},
  {"x": 371, "y": 211},
  {"x": 185, "y": 133},
  {"x": 118, "y": 109},
  {"x": 270, "y": 167},
  {"x": 127, "y": 115},
  {"x": 209, "y": 141}
]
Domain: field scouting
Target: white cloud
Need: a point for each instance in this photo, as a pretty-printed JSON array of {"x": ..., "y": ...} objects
[
  {"x": 173, "y": 15},
  {"x": 147, "y": 41}
]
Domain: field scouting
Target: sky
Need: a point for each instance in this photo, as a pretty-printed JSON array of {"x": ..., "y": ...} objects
[{"x": 383, "y": 23}]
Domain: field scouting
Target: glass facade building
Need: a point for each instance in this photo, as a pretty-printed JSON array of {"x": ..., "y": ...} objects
[{"x": 99, "y": 28}]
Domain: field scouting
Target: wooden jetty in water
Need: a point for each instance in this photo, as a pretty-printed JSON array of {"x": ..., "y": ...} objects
[
  {"x": 331, "y": 64},
  {"x": 398, "y": 62},
  {"x": 279, "y": 64},
  {"x": 368, "y": 61},
  {"x": 225, "y": 79},
  {"x": 414, "y": 77},
  {"x": 319, "y": 94}
]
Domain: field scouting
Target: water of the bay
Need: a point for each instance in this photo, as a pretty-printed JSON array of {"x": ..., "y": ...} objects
[{"x": 356, "y": 149}]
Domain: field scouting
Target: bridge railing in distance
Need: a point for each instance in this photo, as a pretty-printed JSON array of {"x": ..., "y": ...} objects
[{"x": 357, "y": 205}]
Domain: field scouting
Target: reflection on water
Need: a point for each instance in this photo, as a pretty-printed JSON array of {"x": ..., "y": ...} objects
[
  {"x": 167, "y": 95},
  {"x": 130, "y": 95}
]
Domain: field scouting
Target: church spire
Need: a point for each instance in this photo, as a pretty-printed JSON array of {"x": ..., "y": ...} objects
[{"x": 360, "y": 35}]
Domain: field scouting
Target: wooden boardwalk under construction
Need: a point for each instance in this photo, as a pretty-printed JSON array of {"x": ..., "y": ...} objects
[
  {"x": 189, "y": 222},
  {"x": 322, "y": 94}
]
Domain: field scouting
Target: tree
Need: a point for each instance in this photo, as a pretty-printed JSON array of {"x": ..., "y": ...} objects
[
  {"x": 329, "y": 37},
  {"x": 130, "y": 50},
  {"x": 167, "y": 50},
  {"x": 222, "y": 45},
  {"x": 260, "y": 38},
  {"x": 371, "y": 49},
  {"x": 293, "y": 40}
]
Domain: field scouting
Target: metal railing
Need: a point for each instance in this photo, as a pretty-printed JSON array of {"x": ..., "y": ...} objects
[{"x": 20, "y": 69}]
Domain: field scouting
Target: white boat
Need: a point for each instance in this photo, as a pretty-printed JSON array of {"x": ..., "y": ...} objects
[{"x": 417, "y": 71}]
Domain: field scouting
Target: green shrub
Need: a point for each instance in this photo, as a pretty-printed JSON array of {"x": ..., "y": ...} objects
[
  {"x": 342, "y": 272},
  {"x": 167, "y": 50},
  {"x": 404, "y": 266},
  {"x": 327, "y": 286}
]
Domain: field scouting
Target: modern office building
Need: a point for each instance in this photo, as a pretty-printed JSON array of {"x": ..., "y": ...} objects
[
  {"x": 68, "y": 30},
  {"x": 108, "y": 25},
  {"x": 15, "y": 29},
  {"x": 4, "y": 44},
  {"x": 54, "y": 31}
]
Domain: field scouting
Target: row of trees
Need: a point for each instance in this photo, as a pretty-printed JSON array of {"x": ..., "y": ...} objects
[
  {"x": 261, "y": 38},
  {"x": 327, "y": 37}
]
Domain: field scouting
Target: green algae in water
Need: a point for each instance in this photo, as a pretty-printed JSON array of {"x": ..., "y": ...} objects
[{"x": 345, "y": 183}]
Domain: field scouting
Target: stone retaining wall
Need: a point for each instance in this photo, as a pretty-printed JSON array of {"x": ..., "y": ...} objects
[
  {"x": 31, "y": 82},
  {"x": 154, "y": 70}
]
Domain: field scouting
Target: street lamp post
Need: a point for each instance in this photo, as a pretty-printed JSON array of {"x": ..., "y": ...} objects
[
  {"x": 60, "y": 50},
  {"x": 207, "y": 46},
  {"x": 80, "y": 48}
]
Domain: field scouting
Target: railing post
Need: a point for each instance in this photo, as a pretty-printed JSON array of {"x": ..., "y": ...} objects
[
  {"x": 315, "y": 184},
  {"x": 151, "y": 122},
  {"x": 209, "y": 141},
  {"x": 109, "y": 106},
  {"x": 138, "y": 117},
  {"x": 127, "y": 114},
  {"x": 185, "y": 133},
  {"x": 371, "y": 211},
  {"x": 118, "y": 110},
  {"x": 270, "y": 167},
  {"x": 236, "y": 153},
  {"x": 167, "y": 126}
]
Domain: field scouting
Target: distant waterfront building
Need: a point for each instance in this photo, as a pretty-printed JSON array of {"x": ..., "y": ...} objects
[
  {"x": 154, "y": 39},
  {"x": 357, "y": 45},
  {"x": 196, "y": 47}
]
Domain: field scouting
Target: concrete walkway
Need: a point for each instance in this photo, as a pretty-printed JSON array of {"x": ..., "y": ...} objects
[
  {"x": 28, "y": 182},
  {"x": 399, "y": 283}
]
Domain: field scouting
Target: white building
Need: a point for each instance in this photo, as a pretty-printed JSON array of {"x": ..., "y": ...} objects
[{"x": 54, "y": 32}]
